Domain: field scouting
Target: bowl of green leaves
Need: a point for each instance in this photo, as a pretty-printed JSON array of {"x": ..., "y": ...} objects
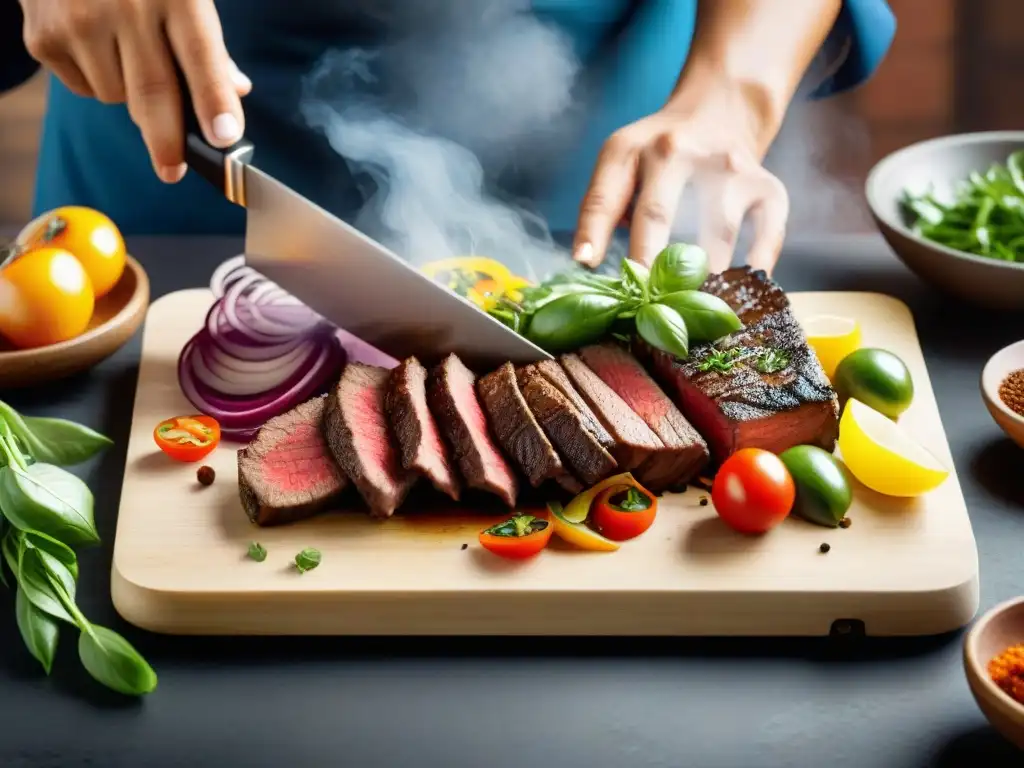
[{"x": 952, "y": 209}]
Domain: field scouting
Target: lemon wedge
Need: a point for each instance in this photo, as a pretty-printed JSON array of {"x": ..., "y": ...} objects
[
  {"x": 832, "y": 337},
  {"x": 883, "y": 456}
]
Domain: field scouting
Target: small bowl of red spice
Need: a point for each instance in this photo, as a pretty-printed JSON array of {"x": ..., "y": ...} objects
[
  {"x": 1002, "y": 387},
  {"x": 994, "y": 662}
]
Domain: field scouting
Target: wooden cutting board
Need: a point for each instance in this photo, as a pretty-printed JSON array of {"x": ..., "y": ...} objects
[{"x": 180, "y": 565}]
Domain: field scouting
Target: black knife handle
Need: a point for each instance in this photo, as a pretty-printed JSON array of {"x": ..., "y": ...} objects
[{"x": 218, "y": 166}]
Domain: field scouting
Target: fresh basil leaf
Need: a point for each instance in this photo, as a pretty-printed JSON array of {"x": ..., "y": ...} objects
[
  {"x": 679, "y": 267},
  {"x": 113, "y": 661},
  {"x": 39, "y": 630},
  {"x": 707, "y": 317},
  {"x": 54, "y": 441},
  {"x": 307, "y": 559},
  {"x": 663, "y": 328},
  {"x": 635, "y": 276},
  {"x": 58, "y": 550},
  {"x": 48, "y": 499},
  {"x": 573, "y": 321},
  {"x": 41, "y": 588}
]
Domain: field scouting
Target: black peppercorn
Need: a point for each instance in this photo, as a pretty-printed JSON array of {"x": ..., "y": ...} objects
[
  {"x": 824, "y": 547},
  {"x": 845, "y": 522},
  {"x": 206, "y": 475},
  {"x": 703, "y": 501}
]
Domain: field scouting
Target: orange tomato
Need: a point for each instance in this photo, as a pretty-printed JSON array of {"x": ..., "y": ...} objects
[
  {"x": 623, "y": 512},
  {"x": 187, "y": 438},
  {"x": 88, "y": 235},
  {"x": 45, "y": 298},
  {"x": 518, "y": 538}
]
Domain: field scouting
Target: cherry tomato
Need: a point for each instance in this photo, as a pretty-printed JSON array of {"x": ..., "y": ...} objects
[
  {"x": 519, "y": 537},
  {"x": 623, "y": 512},
  {"x": 753, "y": 491},
  {"x": 187, "y": 438},
  {"x": 45, "y": 298},
  {"x": 88, "y": 235}
]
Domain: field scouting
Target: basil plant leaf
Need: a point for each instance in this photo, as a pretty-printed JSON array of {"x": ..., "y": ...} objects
[
  {"x": 679, "y": 267},
  {"x": 48, "y": 499},
  {"x": 54, "y": 441},
  {"x": 38, "y": 630},
  {"x": 663, "y": 328},
  {"x": 113, "y": 661},
  {"x": 707, "y": 317}
]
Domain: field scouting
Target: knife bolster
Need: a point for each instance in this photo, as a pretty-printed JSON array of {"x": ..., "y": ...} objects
[{"x": 223, "y": 168}]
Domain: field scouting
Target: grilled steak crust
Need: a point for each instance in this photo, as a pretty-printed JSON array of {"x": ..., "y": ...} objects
[
  {"x": 684, "y": 453},
  {"x": 515, "y": 427},
  {"x": 774, "y": 394},
  {"x": 357, "y": 432},
  {"x": 286, "y": 473},
  {"x": 415, "y": 431},
  {"x": 588, "y": 459},
  {"x": 750, "y": 293},
  {"x": 634, "y": 440},
  {"x": 553, "y": 372},
  {"x": 451, "y": 394}
]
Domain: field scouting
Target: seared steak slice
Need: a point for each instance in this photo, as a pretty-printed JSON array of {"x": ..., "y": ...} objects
[
  {"x": 357, "y": 432},
  {"x": 451, "y": 394},
  {"x": 553, "y": 372},
  {"x": 750, "y": 292},
  {"x": 414, "y": 428},
  {"x": 287, "y": 473},
  {"x": 634, "y": 440},
  {"x": 580, "y": 449},
  {"x": 685, "y": 453},
  {"x": 760, "y": 387},
  {"x": 516, "y": 429}
]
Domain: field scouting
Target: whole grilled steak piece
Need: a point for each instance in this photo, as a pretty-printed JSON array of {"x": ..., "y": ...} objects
[
  {"x": 415, "y": 431},
  {"x": 287, "y": 472},
  {"x": 451, "y": 394},
  {"x": 750, "y": 292},
  {"x": 581, "y": 450},
  {"x": 761, "y": 387},
  {"x": 685, "y": 453},
  {"x": 357, "y": 432},
  {"x": 553, "y": 372},
  {"x": 634, "y": 440},
  {"x": 515, "y": 427}
]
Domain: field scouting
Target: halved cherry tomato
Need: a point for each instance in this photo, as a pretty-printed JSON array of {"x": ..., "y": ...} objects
[
  {"x": 519, "y": 537},
  {"x": 187, "y": 438},
  {"x": 623, "y": 511},
  {"x": 753, "y": 491},
  {"x": 577, "y": 510}
]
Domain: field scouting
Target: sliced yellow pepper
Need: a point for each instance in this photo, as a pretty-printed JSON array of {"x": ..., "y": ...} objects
[
  {"x": 484, "y": 266},
  {"x": 578, "y": 534},
  {"x": 577, "y": 510}
]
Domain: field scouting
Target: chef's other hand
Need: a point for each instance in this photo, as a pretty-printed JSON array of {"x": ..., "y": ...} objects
[
  {"x": 643, "y": 169},
  {"x": 124, "y": 51}
]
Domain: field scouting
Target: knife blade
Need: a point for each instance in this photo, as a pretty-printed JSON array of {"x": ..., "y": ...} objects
[{"x": 347, "y": 277}]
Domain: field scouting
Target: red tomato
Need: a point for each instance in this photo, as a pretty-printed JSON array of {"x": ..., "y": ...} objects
[
  {"x": 187, "y": 438},
  {"x": 519, "y": 537},
  {"x": 753, "y": 491},
  {"x": 623, "y": 512}
]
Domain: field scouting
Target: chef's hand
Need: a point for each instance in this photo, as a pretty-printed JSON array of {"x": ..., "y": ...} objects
[
  {"x": 643, "y": 169},
  {"x": 124, "y": 51}
]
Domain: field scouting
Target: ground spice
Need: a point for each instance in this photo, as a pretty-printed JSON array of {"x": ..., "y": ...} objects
[
  {"x": 1007, "y": 671},
  {"x": 1011, "y": 391}
]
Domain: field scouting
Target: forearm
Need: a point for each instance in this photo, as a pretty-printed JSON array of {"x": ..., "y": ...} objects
[{"x": 753, "y": 53}]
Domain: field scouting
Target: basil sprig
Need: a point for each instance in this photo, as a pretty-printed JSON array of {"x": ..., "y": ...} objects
[{"x": 45, "y": 511}]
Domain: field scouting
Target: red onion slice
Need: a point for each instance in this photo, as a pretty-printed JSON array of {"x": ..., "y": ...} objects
[{"x": 226, "y": 381}]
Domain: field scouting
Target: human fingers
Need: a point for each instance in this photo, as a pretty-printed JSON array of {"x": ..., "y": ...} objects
[
  {"x": 769, "y": 214},
  {"x": 197, "y": 41},
  {"x": 611, "y": 188},
  {"x": 47, "y": 36},
  {"x": 721, "y": 205},
  {"x": 99, "y": 59},
  {"x": 66, "y": 70},
  {"x": 663, "y": 175},
  {"x": 154, "y": 99},
  {"x": 242, "y": 83}
]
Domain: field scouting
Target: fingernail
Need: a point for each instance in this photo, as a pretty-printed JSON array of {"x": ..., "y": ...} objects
[
  {"x": 584, "y": 252},
  {"x": 170, "y": 174},
  {"x": 239, "y": 78},
  {"x": 226, "y": 128}
]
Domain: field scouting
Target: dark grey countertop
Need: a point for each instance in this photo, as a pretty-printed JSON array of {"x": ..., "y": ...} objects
[{"x": 706, "y": 703}]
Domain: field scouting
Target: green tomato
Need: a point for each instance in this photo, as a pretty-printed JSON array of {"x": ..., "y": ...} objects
[
  {"x": 823, "y": 492},
  {"x": 877, "y": 378}
]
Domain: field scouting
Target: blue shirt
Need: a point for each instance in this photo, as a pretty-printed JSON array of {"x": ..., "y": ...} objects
[{"x": 631, "y": 53}]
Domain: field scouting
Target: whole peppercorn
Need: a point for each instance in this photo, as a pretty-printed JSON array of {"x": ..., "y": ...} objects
[{"x": 205, "y": 475}]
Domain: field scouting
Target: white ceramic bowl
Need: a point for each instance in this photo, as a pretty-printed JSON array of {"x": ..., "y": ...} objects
[{"x": 1001, "y": 364}]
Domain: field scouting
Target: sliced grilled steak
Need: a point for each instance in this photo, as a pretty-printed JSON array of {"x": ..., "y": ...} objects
[
  {"x": 414, "y": 428},
  {"x": 685, "y": 453},
  {"x": 750, "y": 292},
  {"x": 515, "y": 428},
  {"x": 287, "y": 473},
  {"x": 580, "y": 449},
  {"x": 772, "y": 393},
  {"x": 634, "y": 440},
  {"x": 553, "y": 372},
  {"x": 357, "y": 432},
  {"x": 451, "y": 394}
]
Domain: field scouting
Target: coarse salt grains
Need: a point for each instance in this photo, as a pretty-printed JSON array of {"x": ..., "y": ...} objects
[{"x": 1011, "y": 391}]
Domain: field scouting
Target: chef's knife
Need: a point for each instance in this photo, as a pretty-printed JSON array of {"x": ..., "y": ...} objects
[{"x": 350, "y": 279}]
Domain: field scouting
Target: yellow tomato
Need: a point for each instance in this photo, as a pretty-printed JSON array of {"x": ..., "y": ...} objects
[
  {"x": 88, "y": 235},
  {"x": 45, "y": 298}
]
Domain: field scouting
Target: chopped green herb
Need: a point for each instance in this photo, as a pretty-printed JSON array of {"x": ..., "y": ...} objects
[
  {"x": 721, "y": 360},
  {"x": 632, "y": 501},
  {"x": 772, "y": 361},
  {"x": 307, "y": 559},
  {"x": 520, "y": 525},
  {"x": 257, "y": 552}
]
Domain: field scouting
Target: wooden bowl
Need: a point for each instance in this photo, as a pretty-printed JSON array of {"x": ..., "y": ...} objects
[
  {"x": 993, "y": 633},
  {"x": 940, "y": 164},
  {"x": 115, "y": 320},
  {"x": 1001, "y": 364}
]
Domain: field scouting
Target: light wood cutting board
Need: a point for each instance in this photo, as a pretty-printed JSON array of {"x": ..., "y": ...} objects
[{"x": 180, "y": 565}]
